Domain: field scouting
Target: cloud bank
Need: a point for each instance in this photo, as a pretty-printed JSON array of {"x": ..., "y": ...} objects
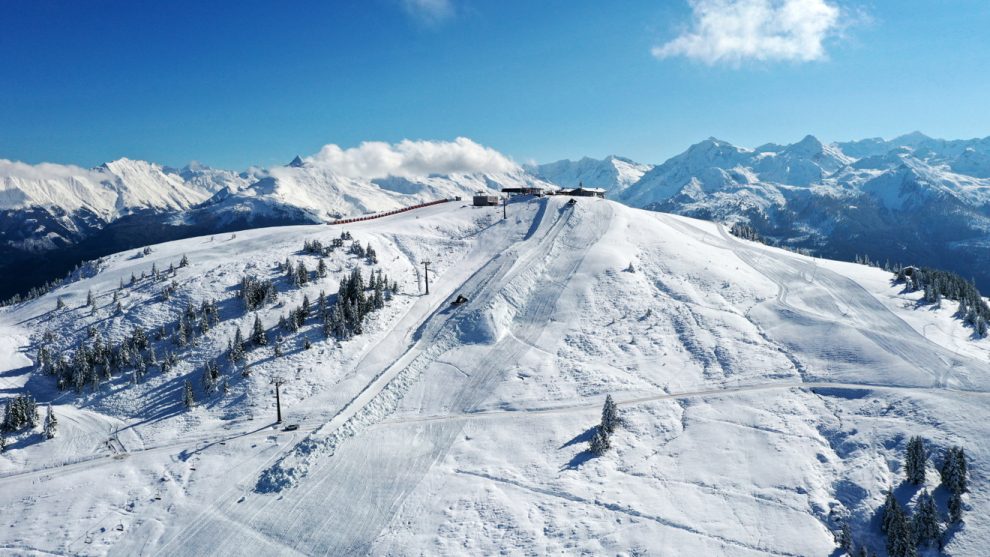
[
  {"x": 412, "y": 159},
  {"x": 733, "y": 31}
]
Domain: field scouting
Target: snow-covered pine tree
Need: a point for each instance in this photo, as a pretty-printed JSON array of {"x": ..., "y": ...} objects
[
  {"x": 237, "y": 347},
  {"x": 953, "y": 471},
  {"x": 900, "y": 537},
  {"x": 89, "y": 298},
  {"x": 610, "y": 415},
  {"x": 955, "y": 508},
  {"x": 258, "y": 335},
  {"x": 915, "y": 461},
  {"x": 302, "y": 274},
  {"x": 306, "y": 344},
  {"x": 890, "y": 509},
  {"x": 3, "y": 442},
  {"x": 188, "y": 398},
  {"x": 184, "y": 262},
  {"x": 926, "y": 524},
  {"x": 321, "y": 268},
  {"x": 51, "y": 423},
  {"x": 600, "y": 442},
  {"x": 59, "y": 303}
]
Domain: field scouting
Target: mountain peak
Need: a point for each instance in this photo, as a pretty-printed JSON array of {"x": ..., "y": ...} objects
[
  {"x": 297, "y": 162},
  {"x": 910, "y": 139}
]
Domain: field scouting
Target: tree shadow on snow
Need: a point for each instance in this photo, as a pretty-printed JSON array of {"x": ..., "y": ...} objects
[
  {"x": 583, "y": 456},
  {"x": 584, "y": 437}
]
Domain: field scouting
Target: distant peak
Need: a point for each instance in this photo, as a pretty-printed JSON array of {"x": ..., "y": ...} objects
[
  {"x": 297, "y": 162},
  {"x": 910, "y": 139},
  {"x": 809, "y": 145}
]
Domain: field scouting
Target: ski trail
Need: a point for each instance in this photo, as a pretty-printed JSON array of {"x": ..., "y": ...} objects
[
  {"x": 354, "y": 511},
  {"x": 629, "y": 511}
]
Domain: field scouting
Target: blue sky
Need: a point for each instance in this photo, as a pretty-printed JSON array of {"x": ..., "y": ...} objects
[{"x": 233, "y": 84}]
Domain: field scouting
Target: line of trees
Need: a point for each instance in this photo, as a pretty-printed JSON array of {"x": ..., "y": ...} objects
[{"x": 938, "y": 284}]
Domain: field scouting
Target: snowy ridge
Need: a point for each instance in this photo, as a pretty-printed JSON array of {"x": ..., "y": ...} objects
[
  {"x": 613, "y": 173},
  {"x": 765, "y": 397}
]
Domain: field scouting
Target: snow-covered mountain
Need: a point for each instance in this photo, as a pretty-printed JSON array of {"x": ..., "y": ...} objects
[
  {"x": 765, "y": 399},
  {"x": 60, "y": 214},
  {"x": 913, "y": 199},
  {"x": 613, "y": 173}
]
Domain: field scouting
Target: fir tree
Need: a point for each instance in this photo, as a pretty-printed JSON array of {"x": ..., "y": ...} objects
[
  {"x": 890, "y": 510},
  {"x": 3, "y": 442},
  {"x": 59, "y": 303},
  {"x": 927, "y": 528},
  {"x": 610, "y": 415},
  {"x": 915, "y": 461},
  {"x": 236, "y": 351},
  {"x": 321, "y": 268},
  {"x": 600, "y": 442},
  {"x": 184, "y": 262},
  {"x": 51, "y": 423},
  {"x": 953, "y": 471},
  {"x": 188, "y": 398},
  {"x": 955, "y": 508},
  {"x": 306, "y": 344},
  {"x": 258, "y": 335},
  {"x": 302, "y": 275},
  {"x": 89, "y": 298}
]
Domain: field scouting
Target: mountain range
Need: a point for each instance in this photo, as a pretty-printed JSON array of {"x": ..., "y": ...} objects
[{"x": 912, "y": 199}]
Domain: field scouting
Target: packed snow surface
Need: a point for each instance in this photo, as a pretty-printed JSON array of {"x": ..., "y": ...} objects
[{"x": 765, "y": 398}]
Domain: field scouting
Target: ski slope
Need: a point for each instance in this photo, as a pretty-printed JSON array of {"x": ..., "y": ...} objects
[{"x": 765, "y": 398}]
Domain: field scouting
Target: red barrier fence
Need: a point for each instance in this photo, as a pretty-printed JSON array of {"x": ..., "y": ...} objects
[{"x": 387, "y": 213}]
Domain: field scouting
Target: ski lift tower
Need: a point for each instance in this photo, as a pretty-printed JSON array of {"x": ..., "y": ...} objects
[
  {"x": 278, "y": 381},
  {"x": 426, "y": 271}
]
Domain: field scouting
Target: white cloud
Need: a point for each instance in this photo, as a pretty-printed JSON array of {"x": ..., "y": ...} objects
[
  {"x": 737, "y": 30},
  {"x": 412, "y": 159},
  {"x": 430, "y": 11}
]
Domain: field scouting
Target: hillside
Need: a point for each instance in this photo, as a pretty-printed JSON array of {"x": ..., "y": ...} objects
[{"x": 765, "y": 397}]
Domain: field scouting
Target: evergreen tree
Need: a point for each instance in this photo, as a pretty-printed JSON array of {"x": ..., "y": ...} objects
[
  {"x": 236, "y": 350},
  {"x": 188, "y": 398},
  {"x": 51, "y": 423},
  {"x": 890, "y": 510},
  {"x": 302, "y": 275},
  {"x": 306, "y": 344},
  {"x": 89, "y": 298},
  {"x": 3, "y": 442},
  {"x": 927, "y": 527},
  {"x": 915, "y": 461},
  {"x": 900, "y": 537},
  {"x": 610, "y": 415},
  {"x": 955, "y": 508},
  {"x": 59, "y": 303},
  {"x": 258, "y": 335},
  {"x": 184, "y": 262},
  {"x": 321, "y": 268},
  {"x": 600, "y": 442},
  {"x": 953, "y": 471}
]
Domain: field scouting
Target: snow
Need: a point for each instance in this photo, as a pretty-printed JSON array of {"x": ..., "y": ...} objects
[{"x": 765, "y": 397}]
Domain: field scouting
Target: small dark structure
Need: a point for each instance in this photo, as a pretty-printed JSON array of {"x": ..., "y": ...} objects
[
  {"x": 524, "y": 191},
  {"x": 459, "y": 300},
  {"x": 485, "y": 200}
]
